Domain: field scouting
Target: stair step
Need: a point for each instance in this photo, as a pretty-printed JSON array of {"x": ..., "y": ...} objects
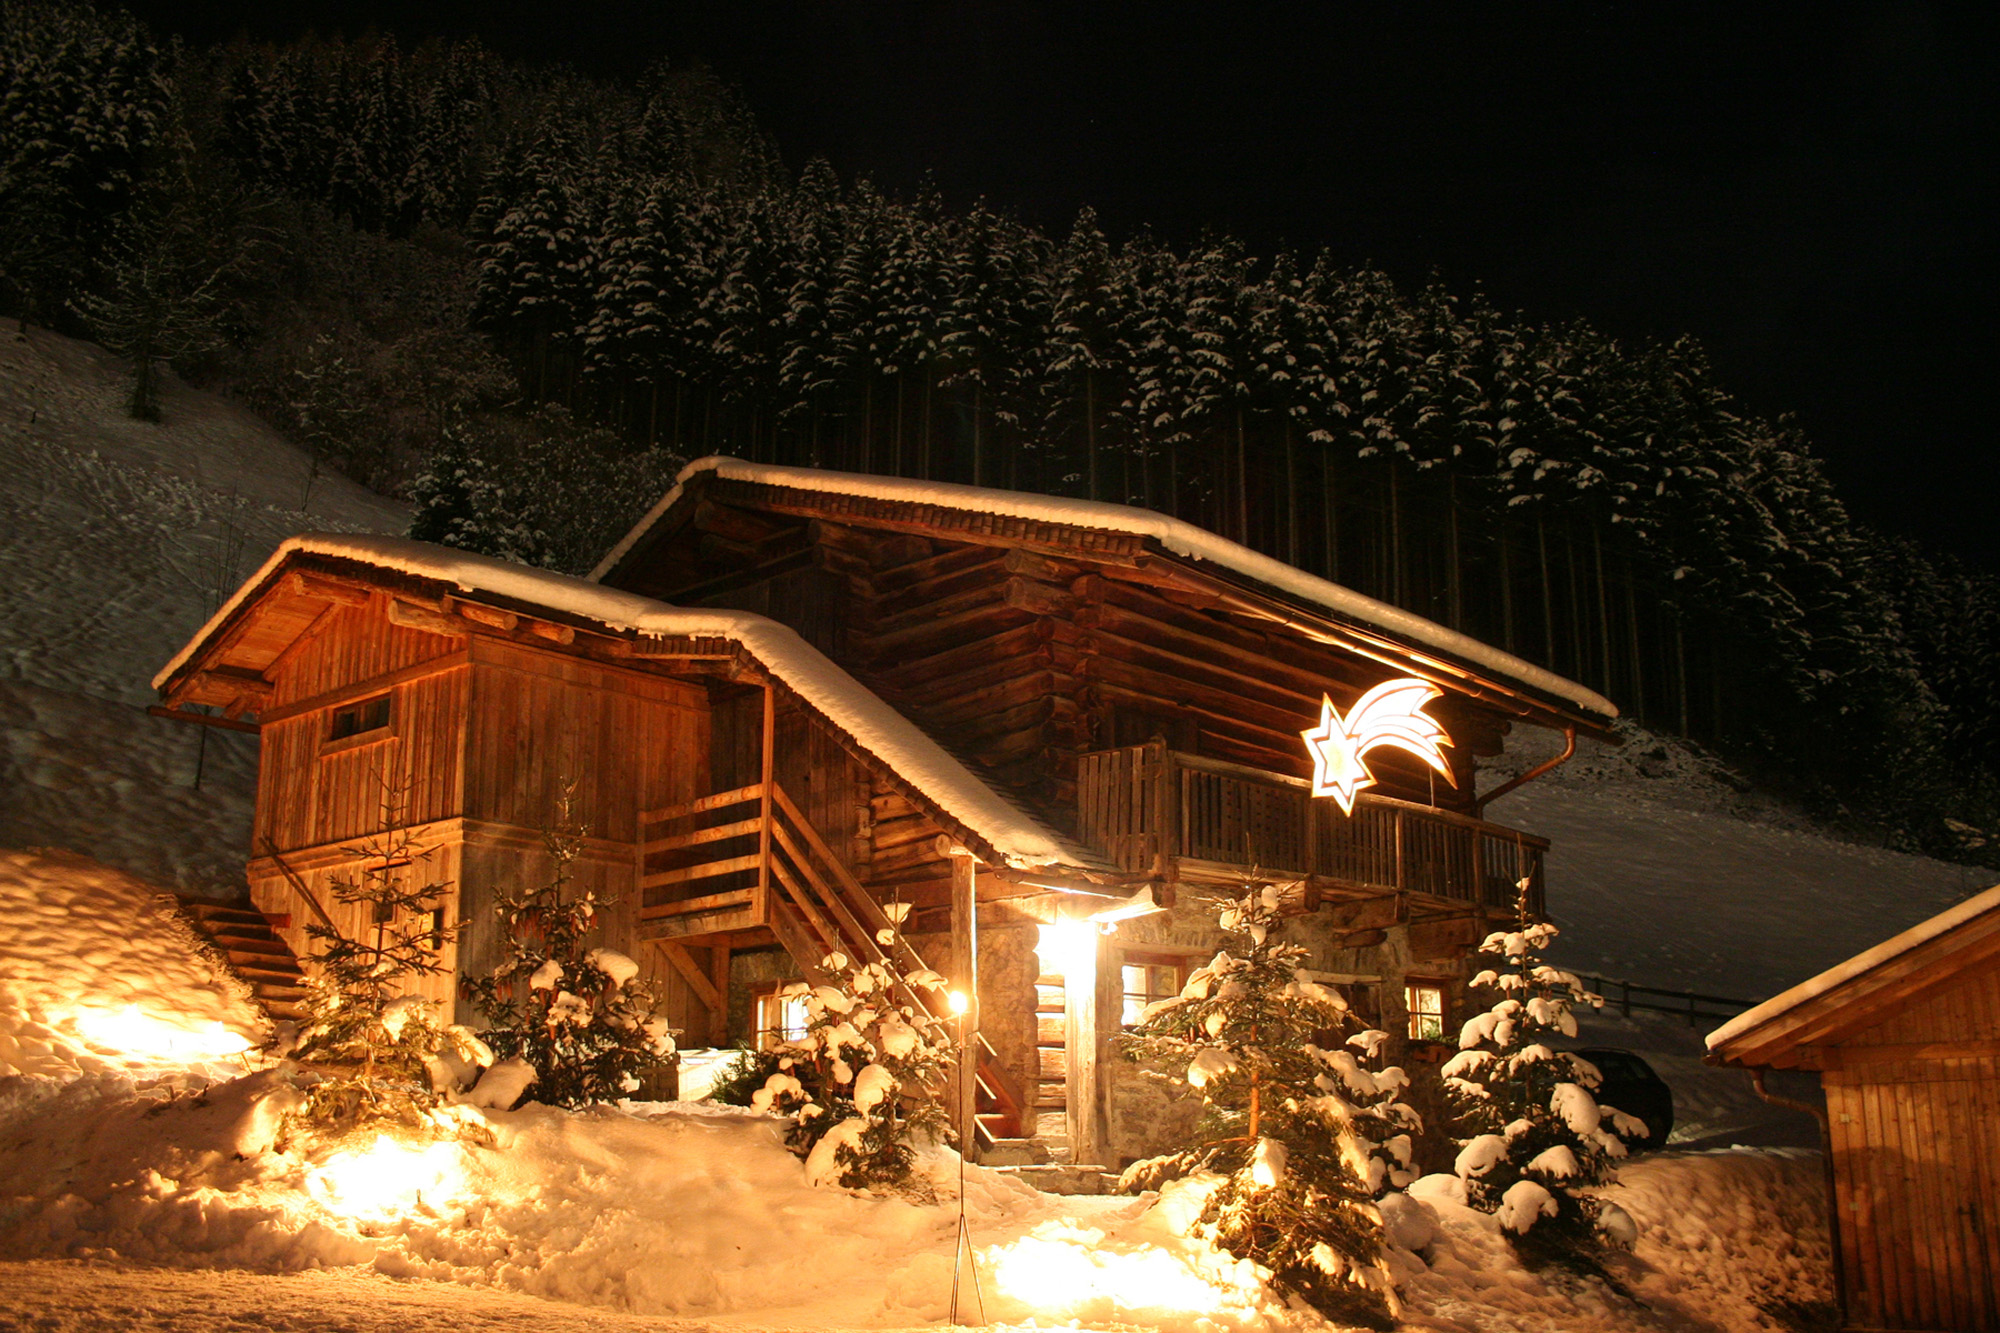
[
  {"x": 247, "y": 916},
  {"x": 1013, "y": 1152},
  {"x": 278, "y": 960},
  {"x": 1062, "y": 1178},
  {"x": 254, "y": 952}
]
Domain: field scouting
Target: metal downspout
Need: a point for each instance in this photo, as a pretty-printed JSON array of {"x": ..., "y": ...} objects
[{"x": 1480, "y": 803}]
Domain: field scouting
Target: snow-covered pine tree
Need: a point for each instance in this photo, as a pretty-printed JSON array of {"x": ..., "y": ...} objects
[
  {"x": 1538, "y": 1137},
  {"x": 583, "y": 1017},
  {"x": 1288, "y": 1124},
  {"x": 456, "y": 501},
  {"x": 868, "y": 1077},
  {"x": 366, "y": 1037}
]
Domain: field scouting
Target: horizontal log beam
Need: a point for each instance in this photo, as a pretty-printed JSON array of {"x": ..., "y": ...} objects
[
  {"x": 204, "y": 719},
  {"x": 388, "y": 680}
]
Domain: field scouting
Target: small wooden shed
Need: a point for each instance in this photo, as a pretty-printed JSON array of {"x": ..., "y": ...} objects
[{"x": 1906, "y": 1038}]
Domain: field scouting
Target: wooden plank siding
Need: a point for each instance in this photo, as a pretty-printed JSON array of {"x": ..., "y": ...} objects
[
  {"x": 482, "y": 732},
  {"x": 1916, "y": 1144},
  {"x": 1024, "y": 645}
]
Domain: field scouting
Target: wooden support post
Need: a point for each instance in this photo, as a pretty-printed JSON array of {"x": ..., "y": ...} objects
[
  {"x": 761, "y": 905},
  {"x": 718, "y": 1018},
  {"x": 965, "y": 942},
  {"x": 1080, "y": 1010}
]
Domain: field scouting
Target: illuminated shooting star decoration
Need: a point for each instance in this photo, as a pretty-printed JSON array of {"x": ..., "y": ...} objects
[{"x": 1390, "y": 714}]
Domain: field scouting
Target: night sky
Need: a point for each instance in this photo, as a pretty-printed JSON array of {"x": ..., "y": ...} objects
[{"x": 1807, "y": 189}]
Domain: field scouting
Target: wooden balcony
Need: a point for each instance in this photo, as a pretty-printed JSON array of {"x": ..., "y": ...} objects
[{"x": 1187, "y": 818}]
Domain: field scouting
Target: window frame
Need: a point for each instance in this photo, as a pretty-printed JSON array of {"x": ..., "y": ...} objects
[
  {"x": 358, "y": 713},
  {"x": 1148, "y": 958},
  {"x": 768, "y": 1003},
  {"x": 1412, "y": 1015}
]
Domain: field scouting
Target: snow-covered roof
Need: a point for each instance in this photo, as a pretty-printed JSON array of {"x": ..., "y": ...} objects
[
  {"x": 1858, "y": 966},
  {"x": 843, "y": 701},
  {"x": 1181, "y": 538}
]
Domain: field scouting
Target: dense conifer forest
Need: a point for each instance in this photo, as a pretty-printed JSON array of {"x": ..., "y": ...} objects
[{"x": 521, "y": 296}]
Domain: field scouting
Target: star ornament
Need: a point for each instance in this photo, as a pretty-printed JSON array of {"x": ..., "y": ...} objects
[{"x": 1390, "y": 714}]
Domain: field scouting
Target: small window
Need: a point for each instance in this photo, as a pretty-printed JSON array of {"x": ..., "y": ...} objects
[
  {"x": 436, "y": 930},
  {"x": 358, "y": 718},
  {"x": 1144, "y": 981},
  {"x": 1425, "y": 1001},
  {"x": 780, "y": 1018}
]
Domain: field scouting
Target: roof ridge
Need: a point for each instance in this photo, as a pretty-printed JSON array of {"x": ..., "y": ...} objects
[{"x": 1176, "y": 535}]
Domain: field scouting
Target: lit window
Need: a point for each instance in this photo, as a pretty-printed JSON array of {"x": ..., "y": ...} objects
[
  {"x": 780, "y": 1018},
  {"x": 1145, "y": 981},
  {"x": 356, "y": 718},
  {"x": 1425, "y": 1001}
]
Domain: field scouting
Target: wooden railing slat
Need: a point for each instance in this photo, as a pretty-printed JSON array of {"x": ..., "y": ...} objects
[
  {"x": 704, "y": 870},
  {"x": 689, "y": 906},
  {"x": 680, "y": 841},
  {"x": 695, "y": 807}
]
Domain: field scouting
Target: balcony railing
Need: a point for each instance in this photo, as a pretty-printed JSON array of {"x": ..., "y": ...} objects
[{"x": 1149, "y": 808}]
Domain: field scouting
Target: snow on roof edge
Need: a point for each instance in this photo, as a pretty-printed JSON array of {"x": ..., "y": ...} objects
[
  {"x": 1180, "y": 537},
  {"x": 1865, "y": 961},
  {"x": 844, "y": 701}
]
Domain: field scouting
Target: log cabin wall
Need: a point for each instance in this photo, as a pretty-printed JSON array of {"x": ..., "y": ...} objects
[
  {"x": 1022, "y": 645},
  {"x": 480, "y": 732},
  {"x": 1916, "y": 1147},
  {"x": 625, "y": 739},
  {"x": 317, "y": 792}
]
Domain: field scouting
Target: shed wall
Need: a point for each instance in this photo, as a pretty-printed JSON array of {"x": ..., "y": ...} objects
[{"x": 1916, "y": 1147}]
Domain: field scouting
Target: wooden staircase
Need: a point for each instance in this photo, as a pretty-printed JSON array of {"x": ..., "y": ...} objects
[
  {"x": 748, "y": 859},
  {"x": 254, "y": 952}
]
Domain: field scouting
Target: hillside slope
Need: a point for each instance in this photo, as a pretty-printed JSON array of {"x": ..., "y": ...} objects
[{"x": 116, "y": 539}]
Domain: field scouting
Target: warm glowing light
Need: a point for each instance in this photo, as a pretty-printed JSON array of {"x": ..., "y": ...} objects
[
  {"x": 1064, "y": 1271},
  {"x": 959, "y": 1004},
  {"x": 142, "y": 1037},
  {"x": 386, "y": 1178},
  {"x": 1067, "y": 948},
  {"x": 1391, "y": 714}
]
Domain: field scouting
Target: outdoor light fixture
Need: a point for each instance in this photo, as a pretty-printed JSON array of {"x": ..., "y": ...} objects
[
  {"x": 959, "y": 1004},
  {"x": 1390, "y": 714},
  {"x": 1141, "y": 903}
]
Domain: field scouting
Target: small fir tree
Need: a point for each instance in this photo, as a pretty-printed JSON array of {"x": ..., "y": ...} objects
[
  {"x": 457, "y": 501},
  {"x": 369, "y": 1040},
  {"x": 1537, "y": 1136},
  {"x": 1301, "y": 1133},
  {"x": 583, "y": 1017},
  {"x": 867, "y": 1078}
]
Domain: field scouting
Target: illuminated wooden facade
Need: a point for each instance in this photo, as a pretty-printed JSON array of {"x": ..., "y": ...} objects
[
  {"x": 1141, "y": 709},
  {"x": 1906, "y": 1039}
]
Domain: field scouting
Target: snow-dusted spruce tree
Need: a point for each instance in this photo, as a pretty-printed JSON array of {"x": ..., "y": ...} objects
[
  {"x": 868, "y": 1077},
  {"x": 1537, "y": 1136},
  {"x": 582, "y": 1017},
  {"x": 367, "y": 1038},
  {"x": 1303, "y": 1136}
]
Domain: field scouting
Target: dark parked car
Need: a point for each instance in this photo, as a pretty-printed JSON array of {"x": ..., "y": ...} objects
[{"x": 1631, "y": 1085}]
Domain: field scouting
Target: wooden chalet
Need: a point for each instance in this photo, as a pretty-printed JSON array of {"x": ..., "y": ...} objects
[
  {"x": 1906, "y": 1039},
  {"x": 794, "y": 699}
]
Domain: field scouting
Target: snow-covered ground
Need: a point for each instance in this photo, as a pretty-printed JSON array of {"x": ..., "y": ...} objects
[
  {"x": 699, "y": 1213},
  {"x": 99, "y": 976}
]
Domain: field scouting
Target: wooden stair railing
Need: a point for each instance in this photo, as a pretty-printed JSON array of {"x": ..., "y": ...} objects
[{"x": 805, "y": 895}]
